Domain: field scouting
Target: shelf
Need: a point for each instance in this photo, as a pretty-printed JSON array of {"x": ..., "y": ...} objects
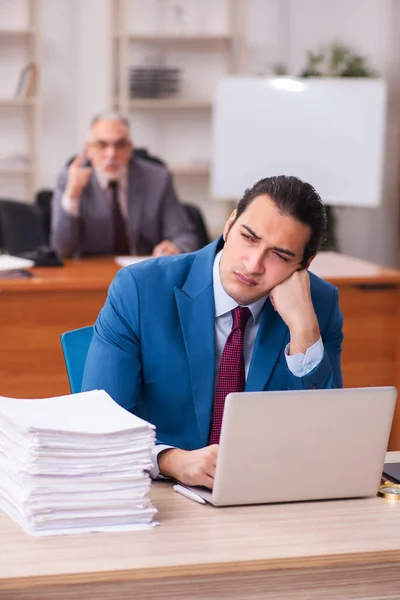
[
  {"x": 17, "y": 32},
  {"x": 190, "y": 170},
  {"x": 167, "y": 103},
  {"x": 17, "y": 101},
  {"x": 203, "y": 47},
  {"x": 20, "y": 98},
  {"x": 175, "y": 39},
  {"x": 4, "y": 170}
]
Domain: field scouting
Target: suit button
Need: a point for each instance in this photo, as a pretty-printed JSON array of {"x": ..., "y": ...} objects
[{"x": 312, "y": 387}]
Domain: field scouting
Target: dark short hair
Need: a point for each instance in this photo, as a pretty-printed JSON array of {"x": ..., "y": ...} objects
[{"x": 295, "y": 198}]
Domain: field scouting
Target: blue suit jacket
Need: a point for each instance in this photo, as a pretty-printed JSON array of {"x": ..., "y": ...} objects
[{"x": 153, "y": 348}]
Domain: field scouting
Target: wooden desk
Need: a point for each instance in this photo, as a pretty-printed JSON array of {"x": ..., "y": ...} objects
[
  {"x": 327, "y": 550},
  {"x": 369, "y": 296},
  {"x": 34, "y": 312}
]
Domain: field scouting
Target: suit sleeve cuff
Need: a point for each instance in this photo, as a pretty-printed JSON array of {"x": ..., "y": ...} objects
[
  {"x": 70, "y": 205},
  {"x": 302, "y": 364},
  {"x": 155, "y": 471}
]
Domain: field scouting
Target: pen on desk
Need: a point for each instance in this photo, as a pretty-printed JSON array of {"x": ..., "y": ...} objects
[{"x": 188, "y": 494}]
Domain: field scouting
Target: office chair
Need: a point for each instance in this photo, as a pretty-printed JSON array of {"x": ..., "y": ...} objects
[
  {"x": 43, "y": 201},
  {"x": 21, "y": 227},
  {"x": 75, "y": 345},
  {"x": 145, "y": 154},
  {"x": 196, "y": 218}
]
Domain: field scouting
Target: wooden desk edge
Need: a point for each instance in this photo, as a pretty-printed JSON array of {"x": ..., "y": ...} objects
[{"x": 204, "y": 569}]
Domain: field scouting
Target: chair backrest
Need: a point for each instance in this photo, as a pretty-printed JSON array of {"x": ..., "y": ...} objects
[
  {"x": 145, "y": 154},
  {"x": 21, "y": 227},
  {"x": 43, "y": 200},
  {"x": 75, "y": 345},
  {"x": 196, "y": 218}
]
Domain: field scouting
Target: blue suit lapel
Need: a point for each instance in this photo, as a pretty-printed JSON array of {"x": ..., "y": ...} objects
[
  {"x": 195, "y": 303},
  {"x": 267, "y": 349}
]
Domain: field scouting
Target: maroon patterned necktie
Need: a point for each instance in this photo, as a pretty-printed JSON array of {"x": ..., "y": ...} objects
[
  {"x": 121, "y": 244},
  {"x": 231, "y": 376}
]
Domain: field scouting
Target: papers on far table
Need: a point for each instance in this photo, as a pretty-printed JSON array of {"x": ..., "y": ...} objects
[
  {"x": 125, "y": 261},
  {"x": 14, "y": 263},
  {"x": 74, "y": 464}
]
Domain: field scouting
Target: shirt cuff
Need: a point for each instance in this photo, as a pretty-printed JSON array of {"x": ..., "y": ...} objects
[
  {"x": 70, "y": 205},
  {"x": 155, "y": 471},
  {"x": 302, "y": 364}
]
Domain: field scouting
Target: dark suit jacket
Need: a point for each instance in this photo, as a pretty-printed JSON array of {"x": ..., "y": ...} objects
[
  {"x": 153, "y": 348},
  {"x": 154, "y": 214}
]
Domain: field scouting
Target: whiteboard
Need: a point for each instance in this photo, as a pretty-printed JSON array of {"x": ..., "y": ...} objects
[{"x": 329, "y": 132}]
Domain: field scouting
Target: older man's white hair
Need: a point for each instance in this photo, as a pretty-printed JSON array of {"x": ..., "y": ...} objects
[{"x": 110, "y": 116}]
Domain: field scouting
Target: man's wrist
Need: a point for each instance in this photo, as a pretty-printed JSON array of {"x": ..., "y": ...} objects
[
  {"x": 73, "y": 193},
  {"x": 303, "y": 338},
  {"x": 70, "y": 205},
  {"x": 166, "y": 461}
]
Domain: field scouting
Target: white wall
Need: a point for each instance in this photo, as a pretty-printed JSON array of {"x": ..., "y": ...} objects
[
  {"x": 76, "y": 84},
  {"x": 93, "y": 49},
  {"x": 75, "y": 76},
  {"x": 58, "y": 86}
]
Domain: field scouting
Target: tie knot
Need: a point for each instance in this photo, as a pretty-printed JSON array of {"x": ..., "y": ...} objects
[
  {"x": 240, "y": 316},
  {"x": 113, "y": 184}
]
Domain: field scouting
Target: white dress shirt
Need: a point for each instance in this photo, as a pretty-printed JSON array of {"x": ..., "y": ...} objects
[
  {"x": 71, "y": 205},
  {"x": 299, "y": 364}
]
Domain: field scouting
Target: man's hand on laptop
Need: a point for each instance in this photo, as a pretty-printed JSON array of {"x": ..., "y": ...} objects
[{"x": 191, "y": 467}]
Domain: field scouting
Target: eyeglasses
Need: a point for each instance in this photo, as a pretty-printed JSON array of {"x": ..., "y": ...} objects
[{"x": 118, "y": 145}]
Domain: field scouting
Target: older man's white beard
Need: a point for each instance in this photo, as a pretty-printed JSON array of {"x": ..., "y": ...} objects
[{"x": 113, "y": 175}]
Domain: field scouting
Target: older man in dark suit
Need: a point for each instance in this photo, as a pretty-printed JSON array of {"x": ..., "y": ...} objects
[{"x": 107, "y": 201}]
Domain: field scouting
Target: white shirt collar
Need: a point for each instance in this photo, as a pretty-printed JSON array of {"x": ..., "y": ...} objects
[{"x": 223, "y": 302}]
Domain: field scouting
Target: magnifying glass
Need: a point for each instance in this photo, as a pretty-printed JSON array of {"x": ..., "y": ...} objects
[{"x": 390, "y": 491}]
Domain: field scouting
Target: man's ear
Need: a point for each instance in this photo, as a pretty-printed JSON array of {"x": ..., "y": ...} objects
[
  {"x": 229, "y": 224},
  {"x": 309, "y": 261}
]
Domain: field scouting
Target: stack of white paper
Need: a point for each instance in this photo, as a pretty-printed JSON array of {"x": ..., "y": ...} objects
[{"x": 74, "y": 463}]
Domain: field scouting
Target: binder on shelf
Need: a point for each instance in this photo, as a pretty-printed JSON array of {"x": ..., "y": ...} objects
[{"x": 27, "y": 81}]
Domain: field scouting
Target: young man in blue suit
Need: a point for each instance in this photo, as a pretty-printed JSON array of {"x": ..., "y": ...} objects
[{"x": 158, "y": 346}]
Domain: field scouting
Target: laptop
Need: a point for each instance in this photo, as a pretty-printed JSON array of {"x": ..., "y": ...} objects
[
  {"x": 391, "y": 471},
  {"x": 291, "y": 446}
]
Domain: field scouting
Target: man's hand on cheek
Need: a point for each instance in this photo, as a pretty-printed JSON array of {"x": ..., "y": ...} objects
[{"x": 292, "y": 300}]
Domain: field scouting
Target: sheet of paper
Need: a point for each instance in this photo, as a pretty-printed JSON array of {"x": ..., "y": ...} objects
[
  {"x": 87, "y": 413},
  {"x": 125, "y": 261},
  {"x": 13, "y": 263}
]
